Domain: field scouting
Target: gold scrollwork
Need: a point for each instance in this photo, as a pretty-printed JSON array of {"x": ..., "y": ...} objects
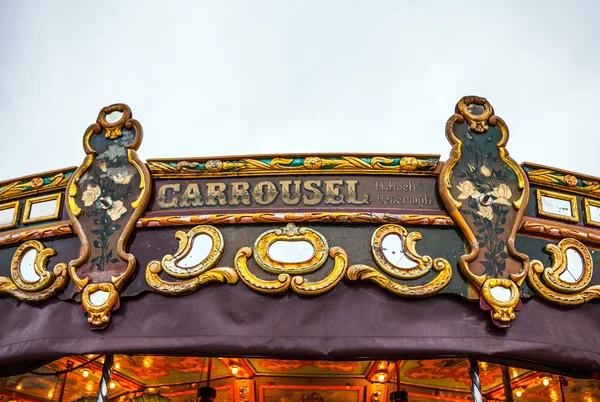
[
  {"x": 424, "y": 265},
  {"x": 284, "y": 280},
  {"x": 553, "y": 288},
  {"x": 291, "y": 233},
  {"x": 99, "y": 310},
  {"x": 47, "y": 283},
  {"x": 504, "y": 310},
  {"x": 476, "y": 111},
  {"x": 196, "y": 275},
  {"x": 186, "y": 245}
]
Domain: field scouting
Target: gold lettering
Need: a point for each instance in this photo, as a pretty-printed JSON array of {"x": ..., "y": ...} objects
[
  {"x": 239, "y": 190},
  {"x": 312, "y": 186},
  {"x": 353, "y": 193},
  {"x": 332, "y": 192},
  {"x": 290, "y": 197},
  {"x": 161, "y": 200},
  {"x": 265, "y": 193},
  {"x": 192, "y": 196},
  {"x": 216, "y": 192}
]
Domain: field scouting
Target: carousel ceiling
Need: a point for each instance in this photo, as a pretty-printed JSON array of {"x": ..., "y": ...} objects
[{"x": 272, "y": 380}]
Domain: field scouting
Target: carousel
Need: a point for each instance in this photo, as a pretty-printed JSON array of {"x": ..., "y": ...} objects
[{"x": 301, "y": 278}]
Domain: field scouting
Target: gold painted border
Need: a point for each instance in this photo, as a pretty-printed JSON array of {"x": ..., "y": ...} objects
[
  {"x": 31, "y": 201},
  {"x": 186, "y": 244},
  {"x": 10, "y": 205},
  {"x": 565, "y": 197},
  {"x": 291, "y": 233},
  {"x": 587, "y": 203},
  {"x": 424, "y": 263}
]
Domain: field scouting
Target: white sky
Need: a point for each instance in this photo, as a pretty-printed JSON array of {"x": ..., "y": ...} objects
[{"x": 240, "y": 77}]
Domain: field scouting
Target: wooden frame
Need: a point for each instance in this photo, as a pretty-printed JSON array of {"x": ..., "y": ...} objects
[
  {"x": 32, "y": 201},
  {"x": 565, "y": 197},
  {"x": 10, "y": 205},
  {"x": 587, "y": 203}
]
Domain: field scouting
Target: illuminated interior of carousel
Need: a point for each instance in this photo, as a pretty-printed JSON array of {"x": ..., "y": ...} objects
[
  {"x": 400, "y": 276},
  {"x": 270, "y": 380}
]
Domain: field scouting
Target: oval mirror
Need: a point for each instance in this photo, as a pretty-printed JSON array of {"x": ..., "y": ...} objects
[
  {"x": 291, "y": 251},
  {"x": 574, "y": 266},
  {"x": 201, "y": 246},
  {"x": 27, "y": 266},
  {"x": 393, "y": 251}
]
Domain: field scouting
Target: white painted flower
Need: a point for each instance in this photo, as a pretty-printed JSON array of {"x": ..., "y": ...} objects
[
  {"x": 120, "y": 178},
  {"x": 90, "y": 195},
  {"x": 502, "y": 194},
  {"x": 467, "y": 189},
  {"x": 116, "y": 210},
  {"x": 485, "y": 171},
  {"x": 486, "y": 212}
]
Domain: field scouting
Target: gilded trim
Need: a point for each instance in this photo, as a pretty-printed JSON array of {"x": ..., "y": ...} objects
[
  {"x": 503, "y": 311},
  {"x": 562, "y": 180},
  {"x": 99, "y": 314},
  {"x": 408, "y": 240},
  {"x": 38, "y": 232},
  {"x": 552, "y": 287},
  {"x": 587, "y": 203},
  {"x": 112, "y": 132},
  {"x": 284, "y": 281},
  {"x": 221, "y": 274},
  {"x": 294, "y": 165},
  {"x": 547, "y": 228},
  {"x": 186, "y": 243},
  {"x": 48, "y": 283},
  {"x": 291, "y": 233},
  {"x": 565, "y": 197},
  {"x": 424, "y": 265},
  {"x": 296, "y": 217},
  {"x": 478, "y": 124},
  {"x": 10, "y": 205},
  {"x": 35, "y": 184},
  {"x": 196, "y": 275},
  {"x": 31, "y": 201}
]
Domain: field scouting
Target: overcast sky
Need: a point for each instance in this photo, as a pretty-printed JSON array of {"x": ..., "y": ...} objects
[{"x": 245, "y": 77}]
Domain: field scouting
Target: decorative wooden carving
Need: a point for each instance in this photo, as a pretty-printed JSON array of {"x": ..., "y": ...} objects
[
  {"x": 486, "y": 193},
  {"x": 107, "y": 194}
]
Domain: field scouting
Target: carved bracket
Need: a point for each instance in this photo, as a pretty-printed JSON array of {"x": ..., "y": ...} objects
[
  {"x": 486, "y": 193},
  {"x": 394, "y": 252},
  {"x": 290, "y": 253},
  {"x": 30, "y": 280},
  {"x": 107, "y": 194},
  {"x": 199, "y": 251},
  {"x": 567, "y": 281}
]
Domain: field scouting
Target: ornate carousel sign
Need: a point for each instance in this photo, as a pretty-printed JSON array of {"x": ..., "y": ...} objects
[{"x": 411, "y": 224}]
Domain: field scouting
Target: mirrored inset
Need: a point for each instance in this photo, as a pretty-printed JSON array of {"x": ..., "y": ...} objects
[
  {"x": 42, "y": 209},
  {"x": 556, "y": 205},
  {"x": 8, "y": 215},
  {"x": 592, "y": 212}
]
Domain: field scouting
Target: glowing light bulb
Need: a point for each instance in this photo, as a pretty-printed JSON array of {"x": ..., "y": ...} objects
[
  {"x": 112, "y": 385},
  {"x": 117, "y": 365},
  {"x": 235, "y": 370},
  {"x": 381, "y": 377},
  {"x": 85, "y": 373},
  {"x": 89, "y": 386},
  {"x": 545, "y": 381},
  {"x": 519, "y": 393},
  {"x": 19, "y": 387},
  {"x": 50, "y": 394}
]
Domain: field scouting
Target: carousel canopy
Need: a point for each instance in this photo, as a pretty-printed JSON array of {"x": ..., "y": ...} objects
[{"x": 322, "y": 257}]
